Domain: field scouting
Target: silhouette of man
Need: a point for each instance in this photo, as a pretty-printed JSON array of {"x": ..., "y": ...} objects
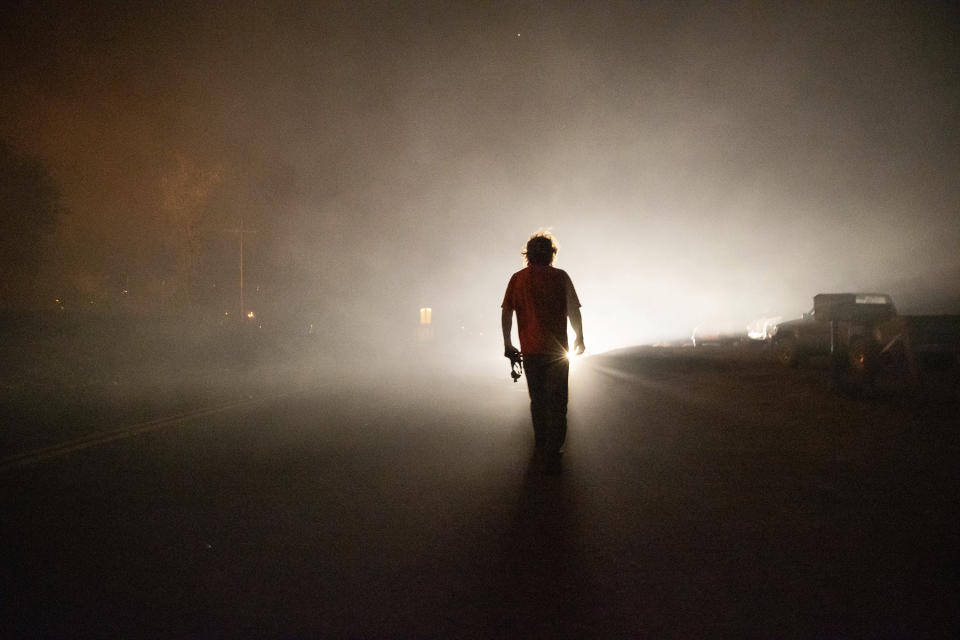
[{"x": 543, "y": 298}]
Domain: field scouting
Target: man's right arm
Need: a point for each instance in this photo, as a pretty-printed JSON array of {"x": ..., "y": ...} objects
[
  {"x": 573, "y": 312},
  {"x": 577, "y": 323}
]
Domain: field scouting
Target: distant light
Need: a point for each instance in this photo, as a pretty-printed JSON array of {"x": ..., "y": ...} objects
[
  {"x": 426, "y": 315},
  {"x": 575, "y": 359},
  {"x": 250, "y": 314},
  {"x": 226, "y": 313},
  {"x": 763, "y": 328}
]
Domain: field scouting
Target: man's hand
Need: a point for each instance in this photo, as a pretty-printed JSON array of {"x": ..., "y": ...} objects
[
  {"x": 577, "y": 323},
  {"x": 510, "y": 351},
  {"x": 578, "y": 347}
]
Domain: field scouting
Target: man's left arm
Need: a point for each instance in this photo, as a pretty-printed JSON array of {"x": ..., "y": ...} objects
[{"x": 506, "y": 324}]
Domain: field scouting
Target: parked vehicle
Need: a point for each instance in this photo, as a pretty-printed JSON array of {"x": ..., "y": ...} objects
[
  {"x": 864, "y": 335},
  {"x": 796, "y": 340}
]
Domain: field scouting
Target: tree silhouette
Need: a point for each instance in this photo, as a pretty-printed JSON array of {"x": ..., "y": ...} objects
[{"x": 29, "y": 207}]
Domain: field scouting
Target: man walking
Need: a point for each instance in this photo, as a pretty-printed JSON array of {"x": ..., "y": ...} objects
[{"x": 543, "y": 298}]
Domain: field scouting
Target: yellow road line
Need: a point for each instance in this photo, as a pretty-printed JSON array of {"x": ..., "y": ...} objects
[{"x": 102, "y": 437}]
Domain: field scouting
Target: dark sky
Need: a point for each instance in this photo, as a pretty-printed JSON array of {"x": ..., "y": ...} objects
[{"x": 698, "y": 163}]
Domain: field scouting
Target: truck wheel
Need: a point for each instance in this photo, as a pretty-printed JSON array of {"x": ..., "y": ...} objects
[{"x": 787, "y": 352}]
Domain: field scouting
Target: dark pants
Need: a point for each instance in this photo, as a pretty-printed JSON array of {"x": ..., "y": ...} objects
[{"x": 547, "y": 384}]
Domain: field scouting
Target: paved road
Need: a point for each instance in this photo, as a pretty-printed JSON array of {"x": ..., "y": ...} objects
[{"x": 412, "y": 508}]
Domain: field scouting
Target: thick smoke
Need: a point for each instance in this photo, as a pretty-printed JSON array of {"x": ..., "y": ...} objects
[{"x": 700, "y": 165}]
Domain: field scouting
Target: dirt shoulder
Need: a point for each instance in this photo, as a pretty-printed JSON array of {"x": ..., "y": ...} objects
[{"x": 794, "y": 410}]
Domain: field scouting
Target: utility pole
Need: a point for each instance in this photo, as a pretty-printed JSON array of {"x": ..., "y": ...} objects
[{"x": 241, "y": 231}]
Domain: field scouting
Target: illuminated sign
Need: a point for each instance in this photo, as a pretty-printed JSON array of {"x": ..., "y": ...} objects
[{"x": 426, "y": 314}]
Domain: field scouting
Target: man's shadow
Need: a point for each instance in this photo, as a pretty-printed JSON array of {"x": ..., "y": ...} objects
[{"x": 542, "y": 581}]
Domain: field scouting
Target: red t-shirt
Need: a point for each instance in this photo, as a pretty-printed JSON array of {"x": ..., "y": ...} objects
[{"x": 541, "y": 295}]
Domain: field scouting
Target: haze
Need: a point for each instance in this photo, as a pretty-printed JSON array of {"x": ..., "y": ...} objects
[{"x": 699, "y": 164}]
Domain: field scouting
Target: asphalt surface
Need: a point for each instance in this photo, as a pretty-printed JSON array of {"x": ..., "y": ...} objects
[{"x": 690, "y": 505}]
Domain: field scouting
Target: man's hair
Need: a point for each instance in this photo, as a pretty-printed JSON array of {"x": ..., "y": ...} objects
[{"x": 541, "y": 249}]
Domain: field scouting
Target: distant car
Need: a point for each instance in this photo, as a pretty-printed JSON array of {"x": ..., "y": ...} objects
[{"x": 700, "y": 337}]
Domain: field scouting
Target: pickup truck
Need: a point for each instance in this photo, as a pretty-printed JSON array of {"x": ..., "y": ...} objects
[
  {"x": 865, "y": 334},
  {"x": 796, "y": 340}
]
